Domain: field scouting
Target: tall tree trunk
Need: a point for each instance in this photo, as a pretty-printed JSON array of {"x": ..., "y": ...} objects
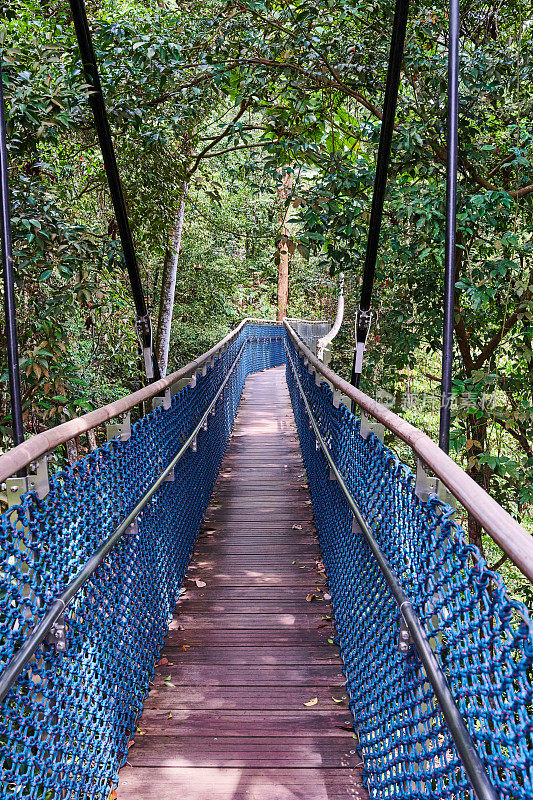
[
  {"x": 283, "y": 278},
  {"x": 284, "y": 190},
  {"x": 168, "y": 286},
  {"x": 477, "y": 432}
]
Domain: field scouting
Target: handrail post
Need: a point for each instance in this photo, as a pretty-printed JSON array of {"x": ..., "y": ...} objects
[
  {"x": 9, "y": 290},
  {"x": 143, "y": 323},
  {"x": 450, "y": 236},
  {"x": 364, "y": 315}
]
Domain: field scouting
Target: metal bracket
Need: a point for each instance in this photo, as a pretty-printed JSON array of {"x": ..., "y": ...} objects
[
  {"x": 194, "y": 445},
  {"x": 426, "y": 485},
  {"x": 121, "y": 429},
  {"x": 133, "y": 527},
  {"x": 208, "y": 365},
  {"x": 405, "y": 640},
  {"x": 332, "y": 475},
  {"x": 366, "y": 428},
  {"x": 164, "y": 400},
  {"x": 36, "y": 481},
  {"x": 339, "y": 398},
  {"x": 57, "y": 635}
]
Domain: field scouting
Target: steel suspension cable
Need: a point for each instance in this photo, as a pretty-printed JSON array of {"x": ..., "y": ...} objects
[
  {"x": 96, "y": 99},
  {"x": 364, "y": 314},
  {"x": 9, "y": 288},
  {"x": 450, "y": 235}
]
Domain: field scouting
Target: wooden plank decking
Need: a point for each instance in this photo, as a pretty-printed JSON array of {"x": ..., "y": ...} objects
[{"x": 227, "y": 717}]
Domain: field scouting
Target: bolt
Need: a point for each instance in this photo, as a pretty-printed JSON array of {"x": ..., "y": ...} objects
[
  {"x": 14, "y": 489},
  {"x": 404, "y": 647},
  {"x": 60, "y": 646},
  {"x": 404, "y": 635}
]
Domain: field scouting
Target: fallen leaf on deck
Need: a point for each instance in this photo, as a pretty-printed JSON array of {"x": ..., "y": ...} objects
[
  {"x": 185, "y": 647},
  {"x": 337, "y": 699},
  {"x": 180, "y": 628},
  {"x": 113, "y": 795},
  {"x": 200, "y": 584},
  {"x": 310, "y": 597},
  {"x": 131, "y": 743},
  {"x": 167, "y": 683},
  {"x": 170, "y": 715},
  {"x": 312, "y": 702},
  {"x": 163, "y": 662},
  {"x": 297, "y": 527}
]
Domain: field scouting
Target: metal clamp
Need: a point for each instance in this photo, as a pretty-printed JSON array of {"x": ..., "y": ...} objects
[
  {"x": 405, "y": 641},
  {"x": 366, "y": 428},
  {"x": 36, "y": 481},
  {"x": 363, "y": 321},
  {"x": 143, "y": 326},
  {"x": 57, "y": 635},
  {"x": 121, "y": 429}
]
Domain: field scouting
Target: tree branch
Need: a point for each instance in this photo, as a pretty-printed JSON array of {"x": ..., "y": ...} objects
[{"x": 244, "y": 105}]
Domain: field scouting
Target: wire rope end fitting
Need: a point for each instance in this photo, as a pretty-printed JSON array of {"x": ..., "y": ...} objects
[
  {"x": 363, "y": 321},
  {"x": 143, "y": 326}
]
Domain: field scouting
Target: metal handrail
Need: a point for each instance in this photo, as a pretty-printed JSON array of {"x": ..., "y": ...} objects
[
  {"x": 30, "y": 645},
  {"x": 508, "y": 534},
  {"x": 22, "y": 455},
  {"x": 456, "y": 725}
]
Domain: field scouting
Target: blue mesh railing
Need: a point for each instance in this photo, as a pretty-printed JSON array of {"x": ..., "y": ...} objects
[
  {"x": 480, "y": 639},
  {"x": 68, "y": 716}
]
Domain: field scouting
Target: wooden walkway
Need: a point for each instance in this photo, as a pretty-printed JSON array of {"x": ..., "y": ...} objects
[{"x": 242, "y": 704}]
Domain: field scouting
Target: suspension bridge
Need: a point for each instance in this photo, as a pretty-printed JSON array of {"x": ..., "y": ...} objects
[
  {"x": 243, "y": 593},
  {"x": 182, "y": 643}
]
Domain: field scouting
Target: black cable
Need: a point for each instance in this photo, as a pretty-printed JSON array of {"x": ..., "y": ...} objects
[
  {"x": 364, "y": 315},
  {"x": 96, "y": 99},
  {"x": 9, "y": 289},
  {"x": 451, "y": 206}
]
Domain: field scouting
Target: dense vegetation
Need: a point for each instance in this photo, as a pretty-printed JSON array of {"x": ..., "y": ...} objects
[{"x": 263, "y": 118}]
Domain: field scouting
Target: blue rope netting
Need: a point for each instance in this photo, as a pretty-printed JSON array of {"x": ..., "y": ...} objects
[
  {"x": 67, "y": 721},
  {"x": 482, "y": 638}
]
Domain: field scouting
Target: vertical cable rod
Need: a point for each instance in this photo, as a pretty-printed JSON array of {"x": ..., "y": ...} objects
[
  {"x": 96, "y": 100},
  {"x": 9, "y": 289},
  {"x": 364, "y": 315},
  {"x": 450, "y": 235}
]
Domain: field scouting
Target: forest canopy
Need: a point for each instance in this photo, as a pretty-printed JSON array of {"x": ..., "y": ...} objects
[{"x": 246, "y": 136}]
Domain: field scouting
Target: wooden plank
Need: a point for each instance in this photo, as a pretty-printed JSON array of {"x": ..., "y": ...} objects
[
  {"x": 264, "y": 698},
  {"x": 245, "y": 751},
  {"x": 180, "y": 723},
  {"x": 242, "y": 655},
  {"x": 226, "y": 717},
  {"x": 221, "y": 675},
  {"x": 199, "y": 783},
  {"x": 251, "y": 638},
  {"x": 252, "y": 606}
]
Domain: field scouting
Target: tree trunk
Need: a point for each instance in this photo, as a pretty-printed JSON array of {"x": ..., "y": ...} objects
[
  {"x": 284, "y": 191},
  {"x": 477, "y": 431},
  {"x": 72, "y": 451},
  {"x": 91, "y": 436},
  {"x": 283, "y": 278},
  {"x": 168, "y": 287}
]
